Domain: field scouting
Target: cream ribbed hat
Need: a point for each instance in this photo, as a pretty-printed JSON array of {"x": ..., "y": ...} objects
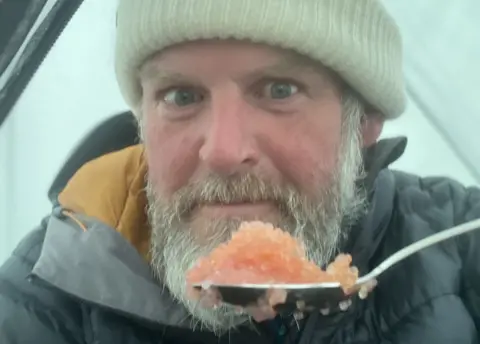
[{"x": 355, "y": 38}]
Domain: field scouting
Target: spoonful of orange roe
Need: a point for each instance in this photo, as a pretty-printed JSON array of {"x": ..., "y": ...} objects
[{"x": 260, "y": 257}]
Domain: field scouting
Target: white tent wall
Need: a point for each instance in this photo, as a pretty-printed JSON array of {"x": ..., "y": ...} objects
[
  {"x": 75, "y": 89},
  {"x": 442, "y": 68}
]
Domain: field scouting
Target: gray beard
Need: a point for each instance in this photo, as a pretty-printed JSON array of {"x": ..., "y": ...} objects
[{"x": 321, "y": 223}]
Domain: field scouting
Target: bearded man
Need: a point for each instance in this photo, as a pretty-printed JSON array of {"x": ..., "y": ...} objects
[{"x": 264, "y": 110}]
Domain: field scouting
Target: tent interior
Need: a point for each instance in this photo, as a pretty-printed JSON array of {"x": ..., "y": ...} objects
[{"x": 54, "y": 89}]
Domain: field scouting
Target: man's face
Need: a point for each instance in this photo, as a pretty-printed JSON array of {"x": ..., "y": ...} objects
[{"x": 239, "y": 131}]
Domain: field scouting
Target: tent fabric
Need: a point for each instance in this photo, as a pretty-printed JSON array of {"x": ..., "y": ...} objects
[
  {"x": 442, "y": 68},
  {"x": 39, "y": 23},
  {"x": 17, "y": 18},
  {"x": 74, "y": 89}
]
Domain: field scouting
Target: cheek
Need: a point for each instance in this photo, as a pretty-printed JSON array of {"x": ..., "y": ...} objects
[
  {"x": 170, "y": 152},
  {"x": 305, "y": 149}
]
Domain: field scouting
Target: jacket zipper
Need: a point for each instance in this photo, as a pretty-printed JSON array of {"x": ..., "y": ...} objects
[{"x": 287, "y": 330}]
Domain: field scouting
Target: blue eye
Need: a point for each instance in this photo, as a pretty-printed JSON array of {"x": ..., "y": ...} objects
[
  {"x": 182, "y": 97},
  {"x": 280, "y": 90}
]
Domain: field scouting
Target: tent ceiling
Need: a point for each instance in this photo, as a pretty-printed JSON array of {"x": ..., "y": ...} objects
[{"x": 442, "y": 68}]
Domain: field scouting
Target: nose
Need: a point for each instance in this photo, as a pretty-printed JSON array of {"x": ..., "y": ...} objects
[{"x": 229, "y": 146}]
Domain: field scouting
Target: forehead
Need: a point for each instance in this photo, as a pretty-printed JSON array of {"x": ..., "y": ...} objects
[{"x": 224, "y": 55}]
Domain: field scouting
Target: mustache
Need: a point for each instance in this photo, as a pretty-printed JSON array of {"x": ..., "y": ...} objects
[{"x": 239, "y": 188}]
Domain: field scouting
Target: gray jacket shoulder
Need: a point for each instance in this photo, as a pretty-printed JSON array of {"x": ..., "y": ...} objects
[
  {"x": 30, "y": 311},
  {"x": 437, "y": 194}
]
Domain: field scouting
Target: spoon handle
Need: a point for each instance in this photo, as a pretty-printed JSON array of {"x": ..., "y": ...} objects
[{"x": 420, "y": 245}]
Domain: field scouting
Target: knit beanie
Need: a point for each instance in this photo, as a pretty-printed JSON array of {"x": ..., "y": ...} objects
[{"x": 357, "y": 39}]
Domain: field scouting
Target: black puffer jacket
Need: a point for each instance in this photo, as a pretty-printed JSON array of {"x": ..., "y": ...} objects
[{"x": 62, "y": 285}]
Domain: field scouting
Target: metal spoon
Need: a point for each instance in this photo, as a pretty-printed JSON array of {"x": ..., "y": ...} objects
[{"x": 328, "y": 295}]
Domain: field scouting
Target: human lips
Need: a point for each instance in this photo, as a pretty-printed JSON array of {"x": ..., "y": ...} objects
[{"x": 236, "y": 209}]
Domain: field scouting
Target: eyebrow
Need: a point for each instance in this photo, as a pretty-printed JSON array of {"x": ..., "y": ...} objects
[
  {"x": 294, "y": 63},
  {"x": 288, "y": 64},
  {"x": 150, "y": 72}
]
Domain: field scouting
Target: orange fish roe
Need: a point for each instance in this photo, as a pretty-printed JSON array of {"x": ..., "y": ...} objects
[{"x": 258, "y": 253}]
